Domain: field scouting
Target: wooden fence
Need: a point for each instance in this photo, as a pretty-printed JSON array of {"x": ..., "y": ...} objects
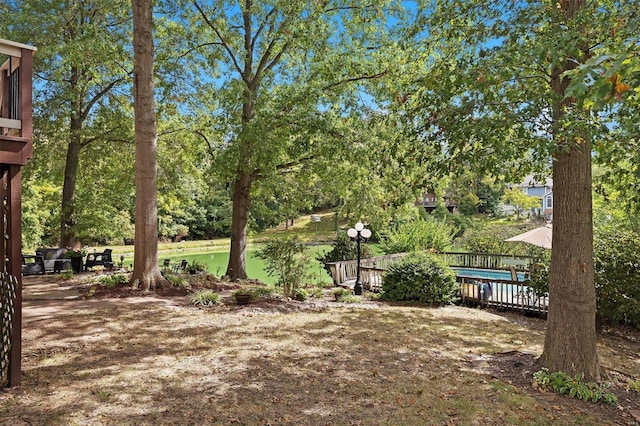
[
  {"x": 487, "y": 261},
  {"x": 371, "y": 269},
  {"x": 491, "y": 292},
  {"x": 502, "y": 294}
]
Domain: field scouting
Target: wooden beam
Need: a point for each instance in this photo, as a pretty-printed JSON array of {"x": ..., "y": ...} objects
[
  {"x": 10, "y": 124},
  {"x": 13, "y": 48}
]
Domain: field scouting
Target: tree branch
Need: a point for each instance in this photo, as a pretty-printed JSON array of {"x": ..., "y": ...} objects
[
  {"x": 354, "y": 79},
  {"x": 97, "y": 97},
  {"x": 213, "y": 43},
  {"x": 223, "y": 42}
]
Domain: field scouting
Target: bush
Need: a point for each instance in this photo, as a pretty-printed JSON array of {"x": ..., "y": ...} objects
[
  {"x": 243, "y": 293},
  {"x": 263, "y": 292},
  {"x": 491, "y": 239},
  {"x": 340, "y": 293},
  {"x": 205, "y": 298},
  {"x": 197, "y": 266},
  {"x": 344, "y": 249},
  {"x": 175, "y": 280},
  {"x": 113, "y": 280},
  {"x": 288, "y": 260},
  {"x": 419, "y": 277},
  {"x": 418, "y": 235},
  {"x": 301, "y": 295},
  {"x": 617, "y": 273}
]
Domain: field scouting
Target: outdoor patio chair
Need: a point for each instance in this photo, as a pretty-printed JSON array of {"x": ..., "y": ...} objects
[
  {"x": 99, "y": 259},
  {"x": 32, "y": 264},
  {"x": 166, "y": 264},
  {"x": 180, "y": 268}
]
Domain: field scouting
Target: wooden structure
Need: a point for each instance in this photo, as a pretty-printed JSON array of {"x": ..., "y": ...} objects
[
  {"x": 344, "y": 272},
  {"x": 502, "y": 294},
  {"x": 430, "y": 200},
  {"x": 510, "y": 294},
  {"x": 487, "y": 261},
  {"x": 15, "y": 150}
]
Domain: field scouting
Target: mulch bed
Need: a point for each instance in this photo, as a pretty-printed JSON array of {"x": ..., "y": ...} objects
[{"x": 517, "y": 368}]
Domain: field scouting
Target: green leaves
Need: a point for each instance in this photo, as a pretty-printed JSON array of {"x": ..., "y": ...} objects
[
  {"x": 287, "y": 259},
  {"x": 562, "y": 383}
]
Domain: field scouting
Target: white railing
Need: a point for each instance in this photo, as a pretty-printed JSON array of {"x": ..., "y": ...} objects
[{"x": 371, "y": 269}]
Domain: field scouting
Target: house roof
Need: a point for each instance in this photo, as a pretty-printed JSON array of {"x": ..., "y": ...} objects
[{"x": 530, "y": 181}]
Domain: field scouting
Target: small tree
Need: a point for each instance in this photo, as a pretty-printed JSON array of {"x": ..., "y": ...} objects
[
  {"x": 417, "y": 235},
  {"x": 520, "y": 201},
  {"x": 288, "y": 260}
]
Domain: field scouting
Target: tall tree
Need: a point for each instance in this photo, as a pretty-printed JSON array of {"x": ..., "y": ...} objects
[
  {"x": 495, "y": 94},
  {"x": 279, "y": 68},
  {"x": 146, "y": 272},
  {"x": 82, "y": 64},
  {"x": 571, "y": 327}
]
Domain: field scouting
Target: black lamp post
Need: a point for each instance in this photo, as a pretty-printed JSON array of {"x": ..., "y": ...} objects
[{"x": 359, "y": 234}]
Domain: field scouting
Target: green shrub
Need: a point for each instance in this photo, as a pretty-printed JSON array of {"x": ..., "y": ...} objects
[
  {"x": 67, "y": 274},
  {"x": 418, "y": 235},
  {"x": 563, "y": 384},
  {"x": 262, "y": 291},
  {"x": 419, "y": 277},
  {"x": 197, "y": 266},
  {"x": 339, "y": 293},
  {"x": 538, "y": 278},
  {"x": 491, "y": 239},
  {"x": 344, "y": 249},
  {"x": 315, "y": 292},
  {"x": 113, "y": 280},
  {"x": 350, "y": 298},
  {"x": 243, "y": 292},
  {"x": 617, "y": 273},
  {"x": 205, "y": 298},
  {"x": 301, "y": 295},
  {"x": 633, "y": 385},
  {"x": 176, "y": 281},
  {"x": 288, "y": 260}
]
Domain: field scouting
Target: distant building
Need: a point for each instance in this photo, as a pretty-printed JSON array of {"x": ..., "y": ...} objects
[
  {"x": 542, "y": 190},
  {"x": 430, "y": 200}
]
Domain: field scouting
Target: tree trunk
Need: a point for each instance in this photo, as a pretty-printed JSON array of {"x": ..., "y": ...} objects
[
  {"x": 236, "y": 268},
  {"x": 570, "y": 341},
  {"x": 67, "y": 215},
  {"x": 146, "y": 272}
]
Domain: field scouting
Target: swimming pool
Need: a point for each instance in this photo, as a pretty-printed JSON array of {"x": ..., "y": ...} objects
[{"x": 486, "y": 273}]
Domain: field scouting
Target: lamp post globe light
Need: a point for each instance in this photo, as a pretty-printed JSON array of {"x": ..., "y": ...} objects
[{"x": 360, "y": 234}]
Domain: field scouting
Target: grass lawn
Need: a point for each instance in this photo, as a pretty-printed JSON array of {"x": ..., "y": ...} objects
[{"x": 217, "y": 261}]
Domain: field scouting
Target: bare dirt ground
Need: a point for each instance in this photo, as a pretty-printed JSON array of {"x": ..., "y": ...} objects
[{"x": 155, "y": 360}]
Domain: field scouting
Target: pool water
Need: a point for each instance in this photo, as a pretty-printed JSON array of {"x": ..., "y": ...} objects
[{"x": 486, "y": 273}]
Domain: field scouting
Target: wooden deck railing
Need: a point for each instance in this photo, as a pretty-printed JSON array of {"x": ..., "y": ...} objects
[
  {"x": 371, "y": 269},
  {"x": 498, "y": 293},
  {"x": 487, "y": 260},
  {"x": 502, "y": 294}
]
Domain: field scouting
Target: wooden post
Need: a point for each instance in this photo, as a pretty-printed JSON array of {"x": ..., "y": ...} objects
[{"x": 14, "y": 244}]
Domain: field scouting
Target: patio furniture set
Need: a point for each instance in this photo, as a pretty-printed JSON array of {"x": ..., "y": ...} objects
[{"x": 56, "y": 260}]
